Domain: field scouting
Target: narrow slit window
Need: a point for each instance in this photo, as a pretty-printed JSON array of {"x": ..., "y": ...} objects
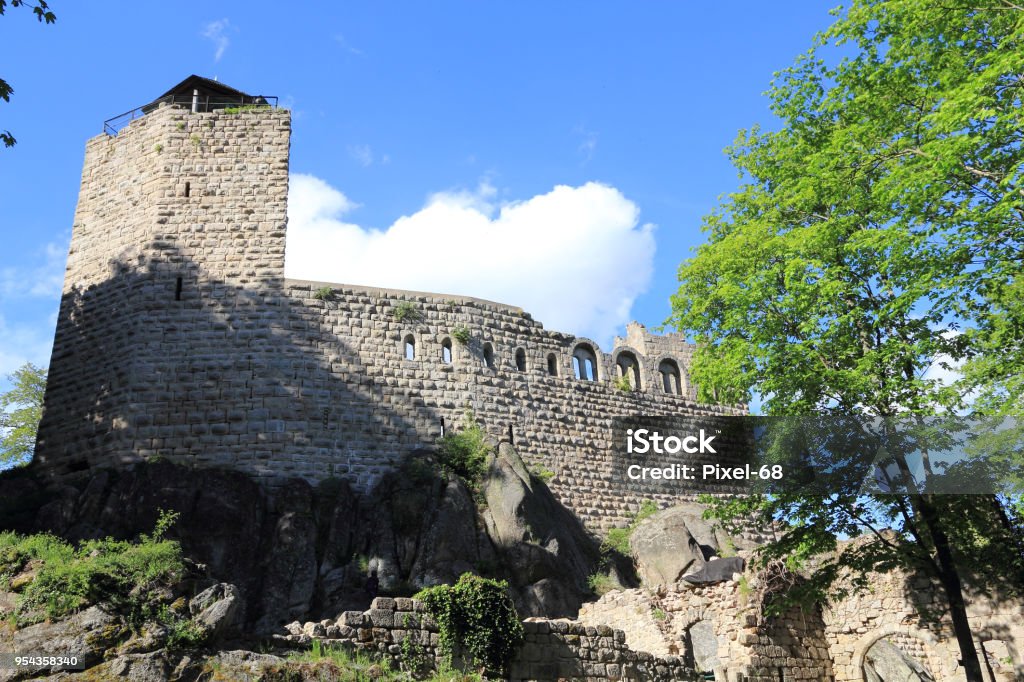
[
  {"x": 188, "y": 189},
  {"x": 521, "y": 360},
  {"x": 552, "y": 365},
  {"x": 446, "y": 351},
  {"x": 177, "y": 289},
  {"x": 410, "y": 347},
  {"x": 489, "y": 355}
]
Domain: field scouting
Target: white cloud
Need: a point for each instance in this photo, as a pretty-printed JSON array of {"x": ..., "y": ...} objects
[
  {"x": 348, "y": 47},
  {"x": 21, "y": 343},
  {"x": 362, "y": 154},
  {"x": 42, "y": 280},
  {"x": 944, "y": 369},
  {"x": 588, "y": 144},
  {"x": 575, "y": 258},
  {"x": 215, "y": 32}
]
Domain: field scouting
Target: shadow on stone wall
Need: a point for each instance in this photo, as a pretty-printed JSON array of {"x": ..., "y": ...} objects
[{"x": 160, "y": 393}]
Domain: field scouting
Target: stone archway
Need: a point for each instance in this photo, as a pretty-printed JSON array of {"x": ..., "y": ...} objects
[{"x": 903, "y": 654}]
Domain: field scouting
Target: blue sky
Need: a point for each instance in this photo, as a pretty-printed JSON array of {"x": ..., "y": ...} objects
[{"x": 560, "y": 155}]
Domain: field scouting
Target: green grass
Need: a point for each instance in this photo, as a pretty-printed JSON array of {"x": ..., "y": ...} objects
[
  {"x": 617, "y": 539},
  {"x": 246, "y": 107},
  {"x": 602, "y": 583},
  {"x": 53, "y": 578},
  {"x": 542, "y": 474},
  {"x": 342, "y": 664}
]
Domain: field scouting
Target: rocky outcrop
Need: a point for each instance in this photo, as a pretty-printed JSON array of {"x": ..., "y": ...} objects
[
  {"x": 216, "y": 610},
  {"x": 678, "y": 541},
  {"x": 542, "y": 544},
  {"x": 88, "y": 634},
  {"x": 296, "y": 552}
]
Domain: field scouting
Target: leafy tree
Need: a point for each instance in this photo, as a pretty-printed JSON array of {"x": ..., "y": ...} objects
[
  {"x": 884, "y": 216},
  {"x": 20, "y": 411},
  {"x": 42, "y": 13}
]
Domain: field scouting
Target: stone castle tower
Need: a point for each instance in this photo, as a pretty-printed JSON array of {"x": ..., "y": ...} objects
[
  {"x": 180, "y": 222},
  {"x": 179, "y": 337}
]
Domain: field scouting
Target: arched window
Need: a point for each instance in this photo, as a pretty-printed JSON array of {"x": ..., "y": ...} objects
[
  {"x": 669, "y": 371},
  {"x": 489, "y": 355},
  {"x": 446, "y": 351},
  {"x": 410, "y": 347},
  {"x": 520, "y": 359},
  {"x": 584, "y": 363},
  {"x": 552, "y": 364},
  {"x": 629, "y": 368}
]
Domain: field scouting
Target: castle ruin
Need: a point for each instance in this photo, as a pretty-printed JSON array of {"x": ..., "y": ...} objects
[{"x": 179, "y": 336}]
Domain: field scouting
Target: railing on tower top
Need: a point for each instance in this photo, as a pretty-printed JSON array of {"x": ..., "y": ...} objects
[{"x": 202, "y": 103}]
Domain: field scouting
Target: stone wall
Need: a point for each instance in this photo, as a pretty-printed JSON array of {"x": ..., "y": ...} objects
[
  {"x": 901, "y": 610},
  {"x": 179, "y": 338},
  {"x": 711, "y": 627},
  {"x": 827, "y": 644},
  {"x": 551, "y": 649}
]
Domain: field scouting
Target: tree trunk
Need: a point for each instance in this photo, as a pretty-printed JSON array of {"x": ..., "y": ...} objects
[
  {"x": 950, "y": 579},
  {"x": 948, "y": 574}
]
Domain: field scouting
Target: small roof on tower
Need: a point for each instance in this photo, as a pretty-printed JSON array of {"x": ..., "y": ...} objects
[
  {"x": 197, "y": 94},
  {"x": 206, "y": 87},
  {"x": 204, "y": 94}
]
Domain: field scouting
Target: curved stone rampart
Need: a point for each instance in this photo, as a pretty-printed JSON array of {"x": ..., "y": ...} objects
[{"x": 179, "y": 337}]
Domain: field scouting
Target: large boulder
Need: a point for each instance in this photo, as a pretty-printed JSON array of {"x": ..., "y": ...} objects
[
  {"x": 679, "y": 541},
  {"x": 419, "y": 528},
  {"x": 539, "y": 542},
  {"x": 88, "y": 634},
  {"x": 664, "y": 548},
  {"x": 885, "y": 661},
  {"x": 216, "y": 610}
]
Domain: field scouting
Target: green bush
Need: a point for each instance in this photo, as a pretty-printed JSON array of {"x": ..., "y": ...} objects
[
  {"x": 182, "y": 631},
  {"x": 617, "y": 539},
  {"x": 461, "y": 334},
  {"x": 465, "y": 452},
  {"x": 66, "y": 578},
  {"x": 477, "y": 620},
  {"x": 542, "y": 474},
  {"x": 602, "y": 583},
  {"x": 624, "y": 384},
  {"x": 324, "y": 294},
  {"x": 406, "y": 311}
]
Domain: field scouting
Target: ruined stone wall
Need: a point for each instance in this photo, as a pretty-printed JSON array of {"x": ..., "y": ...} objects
[
  {"x": 712, "y": 627},
  {"x": 905, "y": 611},
  {"x": 911, "y": 613},
  {"x": 179, "y": 338},
  {"x": 551, "y": 649}
]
